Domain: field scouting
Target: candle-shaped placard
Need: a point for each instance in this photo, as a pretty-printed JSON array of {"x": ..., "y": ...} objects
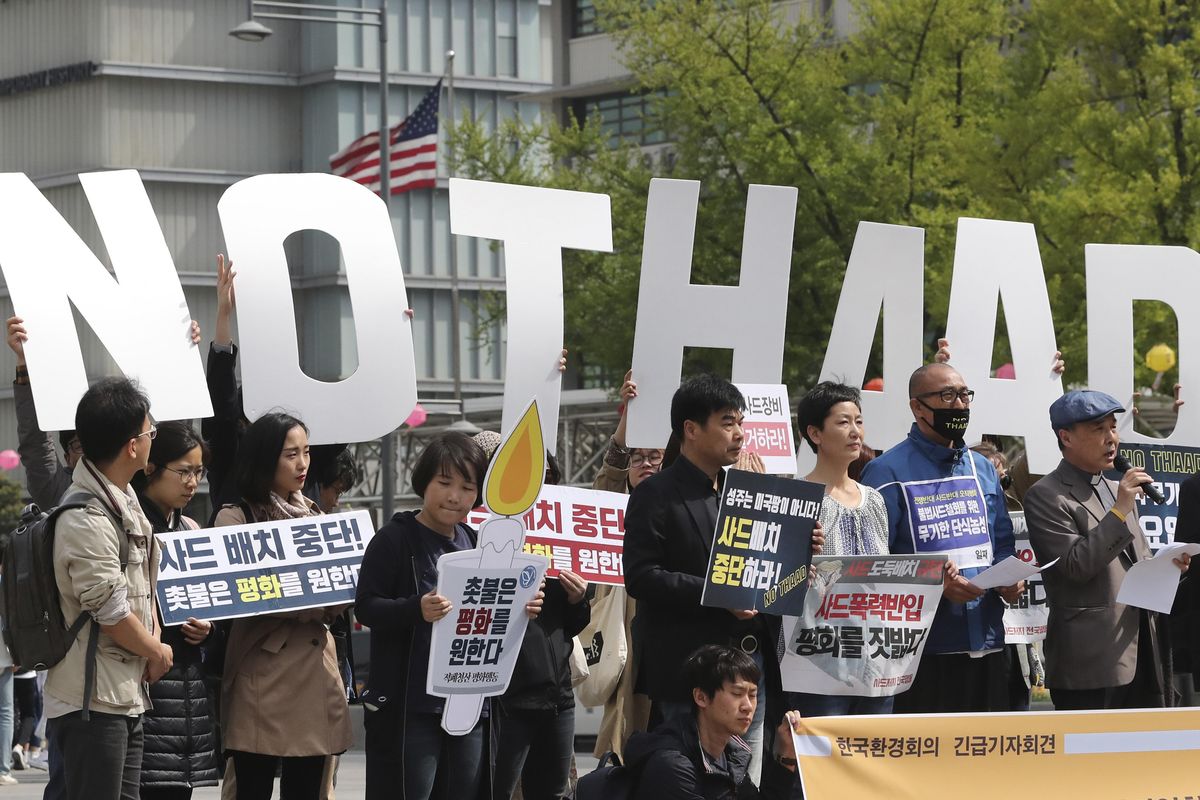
[{"x": 474, "y": 648}]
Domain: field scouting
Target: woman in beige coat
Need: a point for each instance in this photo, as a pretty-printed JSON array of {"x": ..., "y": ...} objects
[{"x": 282, "y": 695}]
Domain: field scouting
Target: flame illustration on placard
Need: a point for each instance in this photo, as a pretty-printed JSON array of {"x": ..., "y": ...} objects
[
  {"x": 513, "y": 483},
  {"x": 515, "y": 477}
]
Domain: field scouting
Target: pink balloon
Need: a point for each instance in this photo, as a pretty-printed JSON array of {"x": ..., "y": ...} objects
[
  {"x": 1007, "y": 371},
  {"x": 415, "y": 420},
  {"x": 9, "y": 459}
]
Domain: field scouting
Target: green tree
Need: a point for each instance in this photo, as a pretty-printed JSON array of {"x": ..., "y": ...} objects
[
  {"x": 12, "y": 500},
  {"x": 1078, "y": 116}
]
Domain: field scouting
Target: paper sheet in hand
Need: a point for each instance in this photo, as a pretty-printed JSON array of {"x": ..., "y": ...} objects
[
  {"x": 1008, "y": 572},
  {"x": 1151, "y": 584}
]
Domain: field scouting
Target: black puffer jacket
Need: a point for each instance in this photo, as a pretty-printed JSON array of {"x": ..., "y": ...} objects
[
  {"x": 541, "y": 679},
  {"x": 180, "y": 745}
]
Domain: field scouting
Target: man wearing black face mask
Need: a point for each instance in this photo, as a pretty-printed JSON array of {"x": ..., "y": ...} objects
[{"x": 945, "y": 500}]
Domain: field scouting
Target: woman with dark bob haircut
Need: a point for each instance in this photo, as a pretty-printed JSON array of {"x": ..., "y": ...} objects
[
  {"x": 180, "y": 746},
  {"x": 282, "y": 696},
  {"x": 407, "y": 750}
]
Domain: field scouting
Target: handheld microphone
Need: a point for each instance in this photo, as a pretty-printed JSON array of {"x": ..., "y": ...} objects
[{"x": 1122, "y": 465}]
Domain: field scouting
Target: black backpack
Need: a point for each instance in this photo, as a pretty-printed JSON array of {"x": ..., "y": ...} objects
[
  {"x": 34, "y": 628},
  {"x": 608, "y": 781}
]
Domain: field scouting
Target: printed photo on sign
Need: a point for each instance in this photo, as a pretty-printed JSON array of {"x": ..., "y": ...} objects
[
  {"x": 767, "y": 426},
  {"x": 581, "y": 530},
  {"x": 762, "y": 544},
  {"x": 864, "y": 626},
  {"x": 261, "y": 567}
]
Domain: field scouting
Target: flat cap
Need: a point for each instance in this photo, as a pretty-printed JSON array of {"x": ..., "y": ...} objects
[{"x": 1082, "y": 405}]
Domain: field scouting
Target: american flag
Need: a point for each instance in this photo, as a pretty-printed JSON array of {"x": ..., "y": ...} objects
[{"x": 414, "y": 151}]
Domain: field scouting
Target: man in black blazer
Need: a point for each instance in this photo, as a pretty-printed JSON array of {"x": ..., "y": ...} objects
[{"x": 669, "y": 528}]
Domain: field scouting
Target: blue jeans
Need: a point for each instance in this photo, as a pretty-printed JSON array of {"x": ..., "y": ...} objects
[
  {"x": 6, "y": 719},
  {"x": 535, "y": 750},
  {"x": 420, "y": 753}
]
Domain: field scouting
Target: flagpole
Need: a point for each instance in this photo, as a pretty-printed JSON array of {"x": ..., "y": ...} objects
[
  {"x": 455, "y": 344},
  {"x": 387, "y": 445}
]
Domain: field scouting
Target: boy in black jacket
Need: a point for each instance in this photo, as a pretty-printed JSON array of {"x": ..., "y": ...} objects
[{"x": 703, "y": 755}]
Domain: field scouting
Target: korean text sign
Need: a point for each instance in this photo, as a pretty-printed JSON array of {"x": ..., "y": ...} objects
[
  {"x": 582, "y": 530},
  {"x": 864, "y": 626},
  {"x": 474, "y": 648},
  {"x": 767, "y": 426},
  {"x": 261, "y": 567},
  {"x": 1100, "y": 755},
  {"x": 1025, "y": 620},
  {"x": 1169, "y": 466},
  {"x": 763, "y": 543}
]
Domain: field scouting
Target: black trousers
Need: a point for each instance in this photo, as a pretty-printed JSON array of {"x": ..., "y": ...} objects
[
  {"x": 957, "y": 683},
  {"x": 301, "y": 776},
  {"x": 101, "y": 758}
]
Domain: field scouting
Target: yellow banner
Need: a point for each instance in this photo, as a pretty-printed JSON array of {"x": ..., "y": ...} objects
[{"x": 1100, "y": 755}]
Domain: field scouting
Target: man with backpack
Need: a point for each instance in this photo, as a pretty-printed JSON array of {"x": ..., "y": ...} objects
[
  {"x": 702, "y": 754},
  {"x": 105, "y": 564}
]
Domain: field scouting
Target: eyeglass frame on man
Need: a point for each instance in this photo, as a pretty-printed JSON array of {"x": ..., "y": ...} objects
[
  {"x": 965, "y": 395},
  {"x": 150, "y": 433},
  {"x": 643, "y": 459}
]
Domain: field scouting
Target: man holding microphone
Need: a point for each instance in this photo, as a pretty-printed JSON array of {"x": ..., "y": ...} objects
[{"x": 1099, "y": 653}]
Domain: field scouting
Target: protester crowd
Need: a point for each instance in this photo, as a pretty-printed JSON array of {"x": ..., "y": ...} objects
[{"x": 698, "y": 709}]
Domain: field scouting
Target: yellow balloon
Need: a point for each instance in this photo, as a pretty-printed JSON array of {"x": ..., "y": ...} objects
[{"x": 1160, "y": 358}]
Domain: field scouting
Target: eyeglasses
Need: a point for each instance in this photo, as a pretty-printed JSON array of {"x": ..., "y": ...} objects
[
  {"x": 150, "y": 433},
  {"x": 653, "y": 459},
  {"x": 188, "y": 474},
  {"x": 949, "y": 395}
]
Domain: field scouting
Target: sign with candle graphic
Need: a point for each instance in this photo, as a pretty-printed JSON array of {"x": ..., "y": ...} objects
[{"x": 475, "y": 646}]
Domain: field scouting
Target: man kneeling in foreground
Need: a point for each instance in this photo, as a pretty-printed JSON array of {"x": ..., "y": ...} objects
[{"x": 702, "y": 755}]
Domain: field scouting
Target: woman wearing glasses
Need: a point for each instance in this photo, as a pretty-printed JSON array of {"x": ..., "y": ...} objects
[{"x": 180, "y": 743}]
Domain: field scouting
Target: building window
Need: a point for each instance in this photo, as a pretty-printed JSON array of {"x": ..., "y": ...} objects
[
  {"x": 624, "y": 117},
  {"x": 585, "y": 19}
]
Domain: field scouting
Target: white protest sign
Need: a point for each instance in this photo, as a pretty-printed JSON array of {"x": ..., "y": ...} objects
[
  {"x": 140, "y": 315},
  {"x": 582, "y": 530},
  {"x": 998, "y": 262},
  {"x": 886, "y": 272},
  {"x": 474, "y": 648},
  {"x": 865, "y": 623},
  {"x": 258, "y": 214},
  {"x": 261, "y": 567},
  {"x": 47, "y": 268},
  {"x": 674, "y": 313},
  {"x": 767, "y": 426},
  {"x": 1025, "y": 620},
  {"x": 535, "y": 225},
  {"x": 1116, "y": 276}
]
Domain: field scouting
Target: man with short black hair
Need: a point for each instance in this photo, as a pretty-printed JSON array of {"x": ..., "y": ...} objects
[
  {"x": 1099, "y": 653},
  {"x": 102, "y": 752},
  {"x": 702, "y": 754},
  {"x": 669, "y": 528}
]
